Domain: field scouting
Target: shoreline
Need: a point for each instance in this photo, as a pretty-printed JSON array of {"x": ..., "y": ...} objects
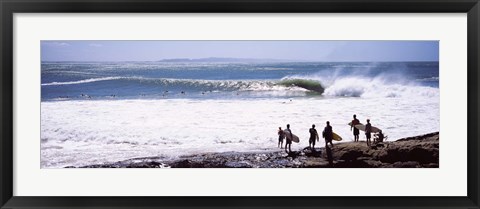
[{"x": 410, "y": 152}]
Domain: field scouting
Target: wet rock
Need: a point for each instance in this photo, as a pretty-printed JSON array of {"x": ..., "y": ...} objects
[
  {"x": 316, "y": 163},
  {"x": 408, "y": 164},
  {"x": 412, "y": 152},
  {"x": 242, "y": 164},
  {"x": 312, "y": 153},
  {"x": 430, "y": 165}
]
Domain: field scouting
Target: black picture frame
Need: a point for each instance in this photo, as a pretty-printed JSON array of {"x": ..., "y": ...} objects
[{"x": 10, "y": 7}]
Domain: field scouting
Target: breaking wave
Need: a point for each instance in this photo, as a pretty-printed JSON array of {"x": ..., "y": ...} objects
[
  {"x": 91, "y": 80},
  {"x": 308, "y": 84},
  {"x": 365, "y": 87},
  {"x": 347, "y": 86},
  {"x": 202, "y": 85}
]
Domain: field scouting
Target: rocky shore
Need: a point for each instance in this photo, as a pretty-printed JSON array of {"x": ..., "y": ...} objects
[{"x": 413, "y": 152}]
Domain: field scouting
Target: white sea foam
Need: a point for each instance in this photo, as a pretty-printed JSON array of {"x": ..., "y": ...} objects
[
  {"x": 81, "y": 81},
  {"x": 75, "y": 133},
  {"x": 71, "y": 72},
  {"x": 379, "y": 86},
  {"x": 429, "y": 79},
  {"x": 376, "y": 87}
]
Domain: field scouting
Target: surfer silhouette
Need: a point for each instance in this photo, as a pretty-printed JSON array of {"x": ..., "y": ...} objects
[
  {"x": 281, "y": 136},
  {"x": 379, "y": 137},
  {"x": 368, "y": 131},
  {"x": 328, "y": 134},
  {"x": 356, "y": 132},
  {"x": 289, "y": 139},
  {"x": 313, "y": 137}
]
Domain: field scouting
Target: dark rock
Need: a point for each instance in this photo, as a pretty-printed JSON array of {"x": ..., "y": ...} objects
[
  {"x": 408, "y": 164},
  {"x": 430, "y": 136},
  {"x": 242, "y": 164},
  {"x": 313, "y": 153},
  {"x": 422, "y": 155},
  {"x": 411, "y": 152},
  {"x": 315, "y": 163},
  {"x": 430, "y": 165}
]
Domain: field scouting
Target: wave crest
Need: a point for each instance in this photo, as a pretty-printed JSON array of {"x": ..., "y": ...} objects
[
  {"x": 205, "y": 85},
  {"x": 339, "y": 86},
  {"x": 308, "y": 84},
  {"x": 90, "y": 80},
  {"x": 376, "y": 87}
]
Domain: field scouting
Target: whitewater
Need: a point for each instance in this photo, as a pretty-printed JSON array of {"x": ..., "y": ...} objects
[{"x": 175, "y": 109}]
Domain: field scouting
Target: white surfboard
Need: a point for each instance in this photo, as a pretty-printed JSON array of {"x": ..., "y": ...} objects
[
  {"x": 295, "y": 137},
  {"x": 361, "y": 127}
]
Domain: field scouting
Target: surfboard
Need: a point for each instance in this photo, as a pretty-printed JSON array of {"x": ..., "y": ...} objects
[
  {"x": 361, "y": 127},
  {"x": 350, "y": 124},
  {"x": 336, "y": 137},
  {"x": 295, "y": 137}
]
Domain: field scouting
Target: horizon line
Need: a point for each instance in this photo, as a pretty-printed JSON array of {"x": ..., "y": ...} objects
[{"x": 247, "y": 60}]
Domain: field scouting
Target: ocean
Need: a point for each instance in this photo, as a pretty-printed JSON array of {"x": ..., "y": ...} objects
[{"x": 93, "y": 113}]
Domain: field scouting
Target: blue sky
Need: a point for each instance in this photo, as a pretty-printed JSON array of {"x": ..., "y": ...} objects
[{"x": 325, "y": 51}]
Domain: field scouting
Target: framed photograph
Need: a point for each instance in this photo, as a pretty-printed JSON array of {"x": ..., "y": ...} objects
[{"x": 264, "y": 104}]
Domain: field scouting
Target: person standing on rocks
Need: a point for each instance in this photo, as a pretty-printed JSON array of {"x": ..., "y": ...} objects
[
  {"x": 289, "y": 140},
  {"x": 356, "y": 132},
  {"x": 313, "y": 137},
  {"x": 368, "y": 131},
  {"x": 281, "y": 136},
  {"x": 328, "y": 134}
]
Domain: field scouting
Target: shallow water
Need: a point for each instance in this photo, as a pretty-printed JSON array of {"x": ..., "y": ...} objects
[{"x": 92, "y": 132}]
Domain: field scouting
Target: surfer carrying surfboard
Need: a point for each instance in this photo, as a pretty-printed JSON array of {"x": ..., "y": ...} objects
[
  {"x": 313, "y": 137},
  {"x": 368, "y": 131},
  {"x": 328, "y": 134},
  {"x": 281, "y": 136},
  {"x": 289, "y": 139},
  {"x": 356, "y": 132}
]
